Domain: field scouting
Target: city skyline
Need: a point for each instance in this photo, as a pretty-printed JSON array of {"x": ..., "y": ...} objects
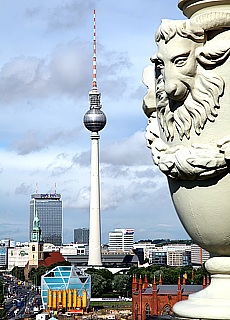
[{"x": 45, "y": 76}]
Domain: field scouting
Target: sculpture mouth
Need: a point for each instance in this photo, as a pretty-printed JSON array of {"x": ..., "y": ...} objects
[
  {"x": 180, "y": 97},
  {"x": 175, "y": 104}
]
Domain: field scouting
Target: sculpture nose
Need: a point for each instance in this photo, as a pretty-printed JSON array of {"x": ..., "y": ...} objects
[{"x": 170, "y": 88}]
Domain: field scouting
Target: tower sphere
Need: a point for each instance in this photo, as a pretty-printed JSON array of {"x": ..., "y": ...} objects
[{"x": 94, "y": 120}]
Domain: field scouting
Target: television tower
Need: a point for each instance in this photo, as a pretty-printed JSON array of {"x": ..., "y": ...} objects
[{"x": 95, "y": 120}]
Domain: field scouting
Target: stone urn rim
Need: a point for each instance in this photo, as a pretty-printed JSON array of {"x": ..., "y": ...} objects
[{"x": 191, "y": 7}]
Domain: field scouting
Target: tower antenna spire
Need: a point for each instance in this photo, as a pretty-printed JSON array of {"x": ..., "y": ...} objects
[{"x": 94, "y": 53}]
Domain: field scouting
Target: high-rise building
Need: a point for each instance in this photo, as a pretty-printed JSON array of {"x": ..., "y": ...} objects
[
  {"x": 48, "y": 208},
  {"x": 81, "y": 235},
  {"x": 121, "y": 240}
]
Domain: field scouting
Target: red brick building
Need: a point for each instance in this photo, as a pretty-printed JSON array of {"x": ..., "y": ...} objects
[{"x": 157, "y": 300}]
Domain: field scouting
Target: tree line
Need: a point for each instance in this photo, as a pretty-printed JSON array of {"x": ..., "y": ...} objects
[{"x": 106, "y": 284}]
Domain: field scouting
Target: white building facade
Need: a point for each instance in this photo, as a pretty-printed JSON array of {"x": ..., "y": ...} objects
[
  {"x": 18, "y": 257},
  {"x": 67, "y": 249},
  {"x": 121, "y": 240},
  {"x": 198, "y": 255}
]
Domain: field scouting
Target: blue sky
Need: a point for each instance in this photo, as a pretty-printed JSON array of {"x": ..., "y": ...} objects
[{"x": 45, "y": 76}]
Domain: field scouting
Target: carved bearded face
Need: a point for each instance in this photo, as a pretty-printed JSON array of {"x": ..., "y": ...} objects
[
  {"x": 187, "y": 93},
  {"x": 184, "y": 93},
  {"x": 177, "y": 63}
]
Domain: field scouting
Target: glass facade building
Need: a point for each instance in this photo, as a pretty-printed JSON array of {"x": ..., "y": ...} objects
[
  {"x": 50, "y": 213},
  {"x": 64, "y": 278},
  {"x": 81, "y": 235}
]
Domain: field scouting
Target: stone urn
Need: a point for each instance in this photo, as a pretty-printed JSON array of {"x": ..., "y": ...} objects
[{"x": 188, "y": 132}]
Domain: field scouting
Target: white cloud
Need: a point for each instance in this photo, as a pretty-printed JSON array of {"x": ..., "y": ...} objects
[{"x": 130, "y": 151}]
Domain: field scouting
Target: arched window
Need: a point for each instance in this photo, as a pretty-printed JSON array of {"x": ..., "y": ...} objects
[
  {"x": 136, "y": 311},
  {"x": 167, "y": 309},
  {"x": 147, "y": 311},
  {"x": 33, "y": 248}
]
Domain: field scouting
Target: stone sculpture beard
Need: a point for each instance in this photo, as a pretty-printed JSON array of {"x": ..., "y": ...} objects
[
  {"x": 199, "y": 106},
  {"x": 199, "y": 161}
]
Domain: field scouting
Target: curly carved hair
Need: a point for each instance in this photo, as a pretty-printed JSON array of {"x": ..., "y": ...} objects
[{"x": 184, "y": 28}]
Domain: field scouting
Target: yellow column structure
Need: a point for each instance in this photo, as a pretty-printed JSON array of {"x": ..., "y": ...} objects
[
  {"x": 54, "y": 300},
  {"x": 49, "y": 299},
  {"x": 69, "y": 299},
  {"x": 64, "y": 294},
  {"x": 78, "y": 301},
  {"x": 59, "y": 299},
  {"x": 74, "y": 298},
  {"x": 84, "y": 299}
]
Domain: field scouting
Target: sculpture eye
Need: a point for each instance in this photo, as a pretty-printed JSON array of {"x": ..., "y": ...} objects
[{"x": 180, "y": 61}]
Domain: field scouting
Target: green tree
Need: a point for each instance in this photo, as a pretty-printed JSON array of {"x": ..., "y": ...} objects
[
  {"x": 199, "y": 274},
  {"x": 18, "y": 272},
  {"x": 169, "y": 274},
  {"x": 33, "y": 275},
  {"x": 98, "y": 285},
  {"x": 121, "y": 283},
  {"x": 40, "y": 272},
  {"x": 101, "y": 281},
  {"x": 108, "y": 276}
]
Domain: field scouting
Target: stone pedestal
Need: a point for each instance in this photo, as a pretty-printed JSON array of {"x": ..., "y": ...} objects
[{"x": 212, "y": 302}]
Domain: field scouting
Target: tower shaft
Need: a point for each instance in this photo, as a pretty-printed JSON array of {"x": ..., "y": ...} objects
[{"x": 95, "y": 220}]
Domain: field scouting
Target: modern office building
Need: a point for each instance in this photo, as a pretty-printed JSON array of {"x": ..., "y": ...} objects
[
  {"x": 81, "y": 235},
  {"x": 144, "y": 249},
  {"x": 172, "y": 255},
  {"x": 159, "y": 257},
  {"x": 198, "y": 255},
  {"x": 49, "y": 210},
  {"x": 121, "y": 240}
]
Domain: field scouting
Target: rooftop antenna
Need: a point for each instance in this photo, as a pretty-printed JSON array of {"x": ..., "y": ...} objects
[
  {"x": 55, "y": 188},
  {"x": 94, "y": 53},
  {"x": 36, "y": 190}
]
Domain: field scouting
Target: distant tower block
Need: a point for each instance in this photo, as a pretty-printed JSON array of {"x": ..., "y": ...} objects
[{"x": 95, "y": 120}]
